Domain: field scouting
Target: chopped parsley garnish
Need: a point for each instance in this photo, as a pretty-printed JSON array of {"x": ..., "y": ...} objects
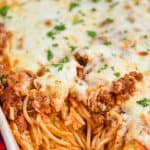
[
  {"x": 144, "y": 102},
  {"x": 93, "y": 9},
  {"x": 145, "y": 36},
  {"x": 61, "y": 63},
  {"x": 51, "y": 34},
  {"x": 65, "y": 59},
  {"x": 49, "y": 54},
  {"x": 86, "y": 47},
  {"x": 114, "y": 4},
  {"x": 95, "y": 1},
  {"x": 72, "y": 48},
  {"x": 102, "y": 68},
  {"x": 58, "y": 66},
  {"x": 110, "y": 20},
  {"x": 91, "y": 34},
  {"x": 65, "y": 37},
  {"x": 109, "y": 1},
  {"x": 115, "y": 73},
  {"x": 107, "y": 21},
  {"x": 55, "y": 45},
  {"x": 57, "y": 29},
  {"x": 60, "y": 27},
  {"x": 77, "y": 21},
  {"x": 47, "y": 70},
  {"x": 107, "y": 43},
  {"x": 4, "y": 11},
  {"x": 73, "y": 5},
  {"x": 3, "y": 79}
]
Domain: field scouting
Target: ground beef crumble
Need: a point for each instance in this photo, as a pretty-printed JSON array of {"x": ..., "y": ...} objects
[{"x": 121, "y": 90}]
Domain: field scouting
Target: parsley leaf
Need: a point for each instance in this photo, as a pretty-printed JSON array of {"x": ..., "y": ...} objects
[
  {"x": 117, "y": 74},
  {"x": 51, "y": 34},
  {"x": 91, "y": 34},
  {"x": 49, "y": 54},
  {"x": 4, "y": 11},
  {"x": 73, "y": 5},
  {"x": 107, "y": 43},
  {"x": 114, "y": 4},
  {"x": 110, "y": 20},
  {"x": 77, "y": 21},
  {"x": 102, "y": 68},
  {"x": 60, "y": 65},
  {"x": 95, "y": 1},
  {"x": 144, "y": 102},
  {"x": 65, "y": 59},
  {"x": 3, "y": 79},
  {"x": 57, "y": 29},
  {"x": 55, "y": 45},
  {"x": 72, "y": 48},
  {"x": 60, "y": 27}
]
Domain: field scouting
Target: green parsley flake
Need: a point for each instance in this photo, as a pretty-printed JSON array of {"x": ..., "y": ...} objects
[
  {"x": 65, "y": 59},
  {"x": 95, "y": 1},
  {"x": 59, "y": 66},
  {"x": 60, "y": 27},
  {"x": 144, "y": 102},
  {"x": 110, "y": 20},
  {"x": 49, "y": 55},
  {"x": 55, "y": 45},
  {"x": 115, "y": 73},
  {"x": 91, "y": 34},
  {"x": 109, "y": 1},
  {"x": 107, "y": 43},
  {"x": 114, "y": 4},
  {"x": 77, "y": 21},
  {"x": 72, "y": 48},
  {"x": 102, "y": 68},
  {"x": 93, "y": 9},
  {"x": 56, "y": 30},
  {"x": 3, "y": 79},
  {"x": 51, "y": 34},
  {"x": 73, "y": 5},
  {"x": 4, "y": 11}
]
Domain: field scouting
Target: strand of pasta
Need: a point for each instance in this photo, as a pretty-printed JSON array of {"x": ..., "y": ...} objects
[
  {"x": 102, "y": 142},
  {"x": 64, "y": 134},
  {"x": 146, "y": 120},
  {"x": 116, "y": 115},
  {"x": 46, "y": 142},
  {"x": 35, "y": 137},
  {"x": 50, "y": 135},
  {"x": 88, "y": 136},
  {"x": 56, "y": 131},
  {"x": 94, "y": 141},
  {"x": 70, "y": 138},
  {"x": 34, "y": 133},
  {"x": 79, "y": 140},
  {"x": 83, "y": 112},
  {"x": 77, "y": 115},
  {"x": 25, "y": 113}
]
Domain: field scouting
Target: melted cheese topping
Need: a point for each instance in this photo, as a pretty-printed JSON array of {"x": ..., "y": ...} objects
[{"x": 119, "y": 32}]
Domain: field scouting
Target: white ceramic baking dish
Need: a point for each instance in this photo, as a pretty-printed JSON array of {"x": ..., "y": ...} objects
[{"x": 6, "y": 133}]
